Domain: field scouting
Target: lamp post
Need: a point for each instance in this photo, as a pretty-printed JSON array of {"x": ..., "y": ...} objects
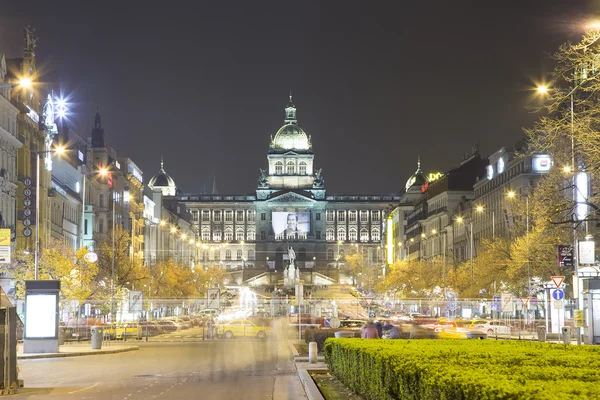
[{"x": 59, "y": 150}]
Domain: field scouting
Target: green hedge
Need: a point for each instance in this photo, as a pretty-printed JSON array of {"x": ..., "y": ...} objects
[
  {"x": 320, "y": 335},
  {"x": 465, "y": 369}
]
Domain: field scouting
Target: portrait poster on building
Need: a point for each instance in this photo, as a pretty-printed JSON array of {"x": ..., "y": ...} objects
[{"x": 290, "y": 224}]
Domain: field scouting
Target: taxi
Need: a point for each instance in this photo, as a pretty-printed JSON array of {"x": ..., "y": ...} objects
[
  {"x": 242, "y": 328},
  {"x": 125, "y": 330}
]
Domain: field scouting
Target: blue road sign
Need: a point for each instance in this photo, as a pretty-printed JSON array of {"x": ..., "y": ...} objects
[{"x": 558, "y": 294}]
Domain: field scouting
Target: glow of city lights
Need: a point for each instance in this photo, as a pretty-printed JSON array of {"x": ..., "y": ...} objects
[
  {"x": 59, "y": 150},
  {"x": 25, "y": 83},
  {"x": 542, "y": 89},
  {"x": 423, "y": 235},
  {"x": 433, "y": 231},
  {"x": 459, "y": 220},
  {"x": 511, "y": 194},
  {"x": 103, "y": 171},
  {"x": 567, "y": 169},
  {"x": 162, "y": 223},
  {"x": 479, "y": 208},
  {"x": 173, "y": 230},
  {"x": 183, "y": 235}
]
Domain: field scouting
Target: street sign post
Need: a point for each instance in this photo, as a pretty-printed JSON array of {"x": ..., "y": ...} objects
[
  {"x": 369, "y": 300},
  {"x": 558, "y": 294},
  {"x": 507, "y": 302},
  {"x": 213, "y": 297},
  {"x": 558, "y": 280},
  {"x": 524, "y": 301},
  {"x": 565, "y": 256}
]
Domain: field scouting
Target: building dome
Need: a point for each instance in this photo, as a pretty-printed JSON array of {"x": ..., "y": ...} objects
[
  {"x": 291, "y": 137},
  {"x": 417, "y": 179},
  {"x": 163, "y": 181}
]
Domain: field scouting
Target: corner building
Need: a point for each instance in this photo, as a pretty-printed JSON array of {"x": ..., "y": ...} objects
[{"x": 250, "y": 234}]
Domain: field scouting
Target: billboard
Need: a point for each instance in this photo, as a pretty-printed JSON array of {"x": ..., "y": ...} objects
[
  {"x": 541, "y": 163},
  {"x": 40, "y": 316},
  {"x": 291, "y": 224}
]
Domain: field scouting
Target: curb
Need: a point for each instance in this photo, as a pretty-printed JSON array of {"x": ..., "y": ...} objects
[
  {"x": 310, "y": 387},
  {"x": 76, "y": 354}
]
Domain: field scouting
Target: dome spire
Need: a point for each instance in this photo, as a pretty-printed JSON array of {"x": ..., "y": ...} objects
[
  {"x": 418, "y": 162},
  {"x": 162, "y": 163},
  {"x": 290, "y": 112}
]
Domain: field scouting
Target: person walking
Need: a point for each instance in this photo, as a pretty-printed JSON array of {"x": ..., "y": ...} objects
[
  {"x": 390, "y": 331},
  {"x": 369, "y": 331}
]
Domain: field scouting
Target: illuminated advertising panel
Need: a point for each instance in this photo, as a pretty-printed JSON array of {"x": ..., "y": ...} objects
[
  {"x": 541, "y": 163},
  {"x": 40, "y": 316},
  {"x": 291, "y": 224},
  {"x": 500, "y": 166},
  {"x": 581, "y": 195},
  {"x": 490, "y": 172}
]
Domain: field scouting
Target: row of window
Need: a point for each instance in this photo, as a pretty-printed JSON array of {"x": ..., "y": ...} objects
[
  {"x": 290, "y": 168},
  {"x": 352, "y": 215},
  {"x": 228, "y": 215},
  {"x": 228, "y": 255},
  {"x": 330, "y": 235},
  {"x": 353, "y": 234},
  {"x": 219, "y": 215}
]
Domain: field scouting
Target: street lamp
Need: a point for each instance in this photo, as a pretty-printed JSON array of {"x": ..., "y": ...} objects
[
  {"x": 25, "y": 83},
  {"x": 59, "y": 150}
]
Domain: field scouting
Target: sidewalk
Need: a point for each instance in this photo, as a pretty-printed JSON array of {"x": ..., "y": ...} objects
[{"x": 74, "y": 350}]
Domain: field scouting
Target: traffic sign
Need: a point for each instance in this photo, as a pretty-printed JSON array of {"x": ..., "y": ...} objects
[
  {"x": 369, "y": 300},
  {"x": 533, "y": 301},
  {"x": 524, "y": 300},
  {"x": 558, "y": 280},
  {"x": 558, "y": 305},
  {"x": 136, "y": 301},
  {"x": 558, "y": 294},
  {"x": 334, "y": 323},
  {"x": 372, "y": 314}
]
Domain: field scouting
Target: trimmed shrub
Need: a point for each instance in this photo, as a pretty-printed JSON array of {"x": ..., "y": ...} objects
[
  {"x": 320, "y": 335},
  {"x": 464, "y": 369}
]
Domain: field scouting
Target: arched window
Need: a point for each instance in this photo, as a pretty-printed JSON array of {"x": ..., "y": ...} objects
[
  {"x": 330, "y": 234},
  {"x": 302, "y": 168},
  {"x": 352, "y": 235},
  {"x": 364, "y": 235},
  {"x": 290, "y": 168},
  {"x": 330, "y": 254},
  {"x": 228, "y": 235},
  {"x": 239, "y": 254},
  {"x": 278, "y": 168},
  {"x": 205, "y": 235},
  {"x": 251, "y": 234},
  {"x": 251, "y": 255},
  {"x": 227, "y": 254},
  {"x": 341, "y": 234},
  {"x": 217, "y": 236},
  {"x": 239, "y": 234},
  {"x": 375, "y": 235}
]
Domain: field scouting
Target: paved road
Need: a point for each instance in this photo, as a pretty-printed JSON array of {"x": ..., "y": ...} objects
[{"x": 232, "y": 369}]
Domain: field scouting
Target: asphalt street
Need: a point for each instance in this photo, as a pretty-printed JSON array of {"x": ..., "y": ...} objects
[{"x": 225, "y": 369}]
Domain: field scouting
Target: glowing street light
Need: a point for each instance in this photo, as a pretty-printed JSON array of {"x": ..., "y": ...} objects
[
  {"x": 511, "y": 194},
  {"x": 162, "y": 222},
  {"x": 459, "y": 220},
  {"x": 542, "y": 89},
  {"x": 479, "y": 208},
  {"x": 567, "y": 169}
]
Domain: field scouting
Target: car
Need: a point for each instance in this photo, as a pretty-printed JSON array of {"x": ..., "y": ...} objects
[
  {"x": 241, "y": 328},
  {"x": 125, "y": 330},
  {"x": 213, "y": 312},
  {"x": 495, "y": 328},
  {"x": 351, "y": 323},
  {"x": 165, "y": 326}
]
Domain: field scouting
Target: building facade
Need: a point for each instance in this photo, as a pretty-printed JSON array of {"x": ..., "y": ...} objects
[{"x": 289, "y": 209}]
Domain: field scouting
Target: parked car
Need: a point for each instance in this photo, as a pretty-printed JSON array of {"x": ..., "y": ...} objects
[
  {"x": 125, "y": 330},
  {"x": 209, "y": 311},
  {"x": 242, "y": 327},
  {"x": 351, "y": 323},
  {"x": 495, "y": 327}
]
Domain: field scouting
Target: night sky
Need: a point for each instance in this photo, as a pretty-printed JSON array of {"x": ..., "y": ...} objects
[{"x": 375, "y": 82}]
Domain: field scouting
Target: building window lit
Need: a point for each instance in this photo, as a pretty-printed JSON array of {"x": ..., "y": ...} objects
[
  {"x": 251, "y": 234},
  {"x": 330, "y": 235},
  {"x": 302, "y": 168},
  {"x": 374, "y": 215},
  {"x": 364, "y": 235},
  {"x": 251, "y": 216},
  {"x": 375, "y": 235},
  {"x": 217, "y": 216},
  {"x": 364, "y": 216},
  {"x": 341, "y": 234},
  {"x": 251, "y": 255},
  {"x": 239, "y": 234},
  {"x": 352, "y": 234},
  {"x": 228, "y": 235},
  {"x": 205, "y": 235},
  {"x": 341, "y": 216},
  {"x": 278, "y": 168},
  {"x": 239, "y": 254},
  {"x": 330, "y": 215},
  {"x": 228, "y": 216},
  {"x": 205, "y": 215},
  {"x": 352, "y": 216},
  {"x": 239, "y": 216},
  {"x": 217, "y": 236},
  {"x": 290, "y": 168}
]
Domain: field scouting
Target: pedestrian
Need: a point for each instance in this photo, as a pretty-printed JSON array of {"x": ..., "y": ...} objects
[
  {"x": 379, "y": 327},
  {"x": 369, "y": 331},
  {"x": 390, "y": 331}
]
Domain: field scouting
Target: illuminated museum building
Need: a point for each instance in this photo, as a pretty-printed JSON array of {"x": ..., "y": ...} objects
[{"x": 290, "y": 208}]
